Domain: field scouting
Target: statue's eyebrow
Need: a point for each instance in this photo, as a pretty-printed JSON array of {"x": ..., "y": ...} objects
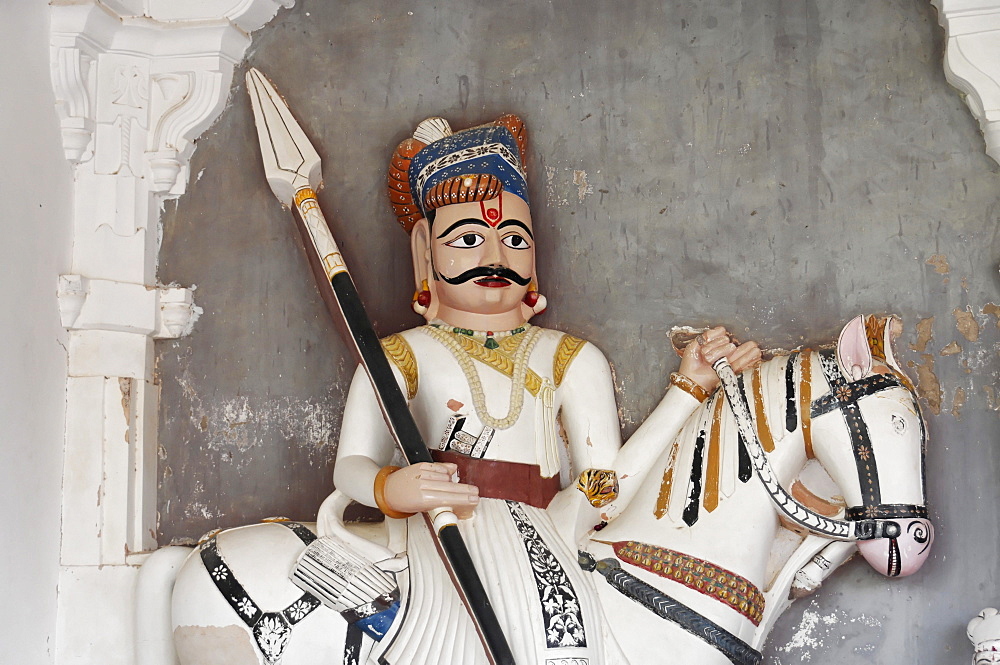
[
  {"x": 516, "y": 222},
  {"x": 462, "y": 222}
]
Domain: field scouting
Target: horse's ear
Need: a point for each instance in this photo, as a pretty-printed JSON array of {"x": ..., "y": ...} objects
[{"x": 853, "y": 352}]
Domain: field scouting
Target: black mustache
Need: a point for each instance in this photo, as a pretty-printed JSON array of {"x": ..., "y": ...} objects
[{"x": 488, "y": 271}]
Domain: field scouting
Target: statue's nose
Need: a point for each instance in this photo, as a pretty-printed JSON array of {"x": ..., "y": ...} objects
[{"x": 492, "y": 252}]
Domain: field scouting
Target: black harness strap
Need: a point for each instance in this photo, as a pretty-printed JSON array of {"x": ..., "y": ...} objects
[
  {"x": 690, "y": 515},
  {"x": 745, "y": 468},
  {"x": 665, "y": 607},
  {"x": 844, "y": 397},
  {"x": 791, "y": 399},
  {"x": 270, "y": 630},
  {"x": 886, "y": 511}
]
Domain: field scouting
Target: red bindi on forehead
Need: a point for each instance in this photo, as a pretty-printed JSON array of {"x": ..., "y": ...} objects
[{"x": 492, "y": 211}]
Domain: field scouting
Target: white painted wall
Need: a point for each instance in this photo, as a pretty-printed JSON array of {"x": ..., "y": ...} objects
[{"x": 35, "y": 225}]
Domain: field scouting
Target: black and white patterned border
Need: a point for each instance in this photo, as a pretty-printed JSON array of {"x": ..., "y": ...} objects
[{"x": 556, "y": 595}]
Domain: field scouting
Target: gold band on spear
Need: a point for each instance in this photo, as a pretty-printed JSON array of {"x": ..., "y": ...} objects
[{"x": 292, "y": 167}]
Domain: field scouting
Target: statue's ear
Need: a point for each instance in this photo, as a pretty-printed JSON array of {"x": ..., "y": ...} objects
[
  {"x": 423, "y": 272},
  {"x": 853, "y": 352}
]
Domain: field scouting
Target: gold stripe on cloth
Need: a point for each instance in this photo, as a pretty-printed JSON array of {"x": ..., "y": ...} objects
[
  {"x": 763, "y": 429},
  {"x": 569, "y": 347},
  {"x": 714, "y": 471},
  {"x": 663, "y": 500},
  {"x": 399, "y": 352},
  {"x": 499, "y": 361},
  {"x": 703, "y": 576},
  {"x": 805, "y": 400}
]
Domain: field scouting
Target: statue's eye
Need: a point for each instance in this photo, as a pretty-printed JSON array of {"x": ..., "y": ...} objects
[
  {"x": 515, "y": 241},
  {"x": 467, "y": 241}
]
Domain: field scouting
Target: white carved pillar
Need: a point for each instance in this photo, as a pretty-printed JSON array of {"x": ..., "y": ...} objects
[
  {"x": 136, "y": 82},
  {"x": 972, "y": 60}
]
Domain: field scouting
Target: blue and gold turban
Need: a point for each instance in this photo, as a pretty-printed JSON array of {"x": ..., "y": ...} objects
[{"x": 438, "y": 167}]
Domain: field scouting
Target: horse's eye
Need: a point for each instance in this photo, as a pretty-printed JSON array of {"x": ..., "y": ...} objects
[{"x": 898, "y": 424}]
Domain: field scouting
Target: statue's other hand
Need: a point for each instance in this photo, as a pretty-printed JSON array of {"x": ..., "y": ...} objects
[
  {"x": 422, "y": 487},
  {"x": 714, "y": 343}
]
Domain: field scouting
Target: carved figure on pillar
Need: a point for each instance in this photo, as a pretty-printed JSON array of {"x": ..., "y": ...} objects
[{"x": 516, "y": 412}]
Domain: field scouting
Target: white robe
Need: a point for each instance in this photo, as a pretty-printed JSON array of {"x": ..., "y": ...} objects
[{"x": 546, "y": 605}]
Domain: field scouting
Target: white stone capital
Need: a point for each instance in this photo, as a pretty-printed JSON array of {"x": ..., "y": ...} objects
[
  {"x": 165, "y": 312},
  {"x": 972, "y": 60}
]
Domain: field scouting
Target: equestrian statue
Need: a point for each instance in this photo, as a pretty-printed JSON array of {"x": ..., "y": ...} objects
[{"x": 518, "y": 529}]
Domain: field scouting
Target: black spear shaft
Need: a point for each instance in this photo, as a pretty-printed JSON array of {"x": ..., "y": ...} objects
[
  {"x": 343, "y": 302},
  {"x": 292, "y": 168}
]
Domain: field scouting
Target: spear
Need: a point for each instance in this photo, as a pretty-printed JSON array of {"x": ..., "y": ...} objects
[{"x": 292, "y": 167}]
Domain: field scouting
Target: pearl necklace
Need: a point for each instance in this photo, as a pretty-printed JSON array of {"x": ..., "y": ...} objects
[{"x": 517, "y": 386}]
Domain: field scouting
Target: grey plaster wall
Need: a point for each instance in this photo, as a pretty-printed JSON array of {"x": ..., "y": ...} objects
[{"x": 777, "y": 166}]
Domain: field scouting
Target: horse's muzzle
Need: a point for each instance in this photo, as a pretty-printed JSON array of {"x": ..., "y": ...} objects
[{"x": 904, "y": 554}]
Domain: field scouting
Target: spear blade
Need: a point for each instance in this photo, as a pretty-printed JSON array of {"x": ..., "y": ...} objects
[{"x": 290, "y": 160}]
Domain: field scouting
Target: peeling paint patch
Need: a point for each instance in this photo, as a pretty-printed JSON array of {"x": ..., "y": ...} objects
[
  {"x": 991, "y": 397},
  {"x": 966, "y": 324},
  {"x": 558, "y": 180},
  {"x": 940, "y": 263},
  {"x": 928, "y": 386},
  {"x": 925, "y": 333},
  {"x": 951, "y": 349},
  {"x": 551, "y": 196},
  {"x": 991, "y": 308},
  {"x": 958, "y": 402},
  {"x": 583, "y": 188},
  {"x": 819, "y": 635}
]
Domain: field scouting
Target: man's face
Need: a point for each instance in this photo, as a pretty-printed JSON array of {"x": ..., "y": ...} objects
[{"x": 483, "y": 255}]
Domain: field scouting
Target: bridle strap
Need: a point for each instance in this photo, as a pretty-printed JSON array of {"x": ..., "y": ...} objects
[
  {"x": 843, "y": 397},
  {"x": 862, "y": 527},
  {"x": 886, "y": 511},
  {"x": 782, "y": 499}
]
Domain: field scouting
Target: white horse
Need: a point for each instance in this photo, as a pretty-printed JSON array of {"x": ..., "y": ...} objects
[
  {"x": 696, "y": 568},
  {"x": 702, "y": 543}
]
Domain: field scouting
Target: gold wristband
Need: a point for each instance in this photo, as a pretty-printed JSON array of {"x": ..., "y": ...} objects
[
  {"x": 689, "y": 386},
  {"x": 379, "y": 491}
]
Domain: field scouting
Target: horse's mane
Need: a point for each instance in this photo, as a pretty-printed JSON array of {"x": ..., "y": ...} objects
[{"x": 705, "y": 463}]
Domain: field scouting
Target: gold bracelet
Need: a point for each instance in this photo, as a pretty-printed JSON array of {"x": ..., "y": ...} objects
[
  {"x": 379, "y": 489},
  {"x": 689, "y": 386}
]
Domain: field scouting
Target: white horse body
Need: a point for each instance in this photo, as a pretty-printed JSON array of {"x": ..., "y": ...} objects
[{"x": 737, "y": 534}]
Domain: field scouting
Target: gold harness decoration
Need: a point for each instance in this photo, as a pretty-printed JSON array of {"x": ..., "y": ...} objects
[
  {"x": 399, "y": 352},
  {"x": 805, "y": 400},
  {"x": 715, "y": 422},
  {"x": 703, "y": 576}
]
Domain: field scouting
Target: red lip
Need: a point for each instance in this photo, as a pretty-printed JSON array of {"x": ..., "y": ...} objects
[{"x": 493, "y": 282}]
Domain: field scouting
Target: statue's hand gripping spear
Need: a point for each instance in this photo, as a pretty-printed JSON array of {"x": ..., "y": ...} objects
[{"x": 292, "y": 167}]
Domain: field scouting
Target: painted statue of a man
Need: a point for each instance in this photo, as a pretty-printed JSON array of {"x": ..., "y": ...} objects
[{"x": 523, "y": 418}]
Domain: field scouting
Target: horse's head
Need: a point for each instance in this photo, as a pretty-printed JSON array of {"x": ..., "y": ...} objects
[{"x": 867, "y": 432}]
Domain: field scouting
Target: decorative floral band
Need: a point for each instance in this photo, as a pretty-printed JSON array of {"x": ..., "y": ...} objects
[{"x": 704, "y": 577}]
